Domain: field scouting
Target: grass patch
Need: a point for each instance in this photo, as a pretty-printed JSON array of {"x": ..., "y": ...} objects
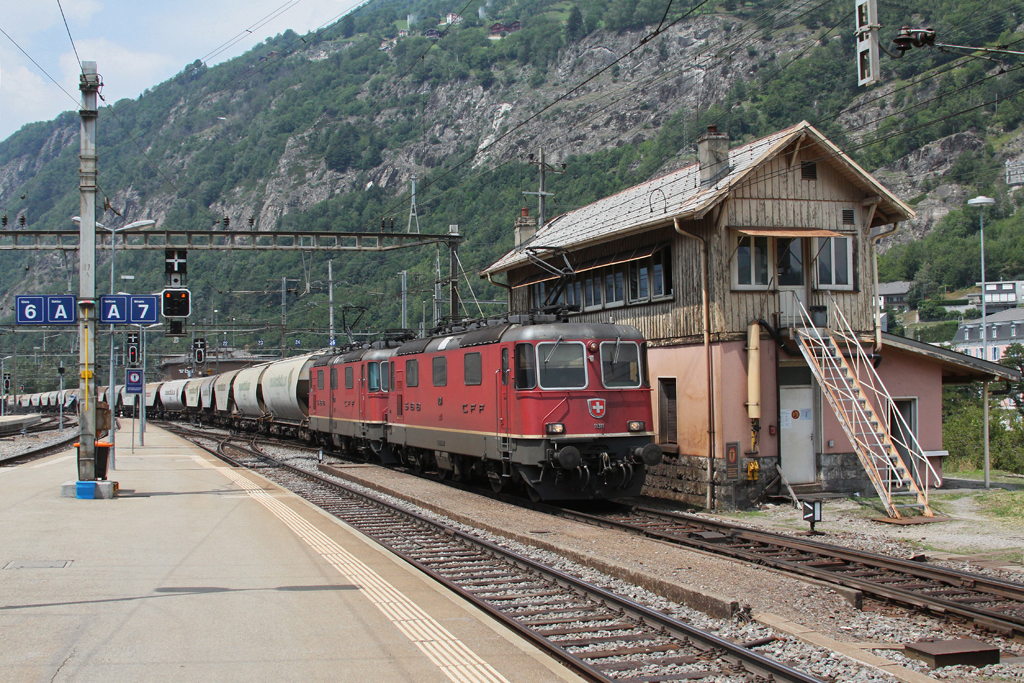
[{"x": 1003, "y": 504}]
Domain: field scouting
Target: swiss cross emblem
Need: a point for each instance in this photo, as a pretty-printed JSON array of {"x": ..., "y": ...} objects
[{"x": 597, "y": 407}]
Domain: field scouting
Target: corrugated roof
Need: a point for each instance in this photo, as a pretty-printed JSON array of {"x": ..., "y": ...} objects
[{"x": 677, "y": 194}]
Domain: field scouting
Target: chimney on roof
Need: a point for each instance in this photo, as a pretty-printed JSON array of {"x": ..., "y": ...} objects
[
  {"x": 526, "y": 227},
  {"x": 713, "y": 155}
]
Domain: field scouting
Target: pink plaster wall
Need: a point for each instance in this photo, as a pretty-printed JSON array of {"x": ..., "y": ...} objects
[
  {"x": 905, "y": 376},
  {"x": 687, "y": 365}
]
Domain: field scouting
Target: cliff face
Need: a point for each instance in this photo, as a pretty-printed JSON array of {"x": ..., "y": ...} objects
[{"x": 631, "y": 102}]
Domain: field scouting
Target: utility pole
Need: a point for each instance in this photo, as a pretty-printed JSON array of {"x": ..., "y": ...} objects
[
  {"x": 437, "y": 289},
  {"x": 414, "y": 218},
  {"x": 330, "y": 296},
  {"x": 541, "y": 193},
  {"x": 284, "y": 292},
  {"x": 453, "y": 272},
  {"x": 405, "y": 301},
  {"x": 89, "y": 84}
]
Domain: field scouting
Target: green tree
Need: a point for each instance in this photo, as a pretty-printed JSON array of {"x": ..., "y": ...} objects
[
  {"x": 1013, "y": 357},
  {"x": 575, "y": 30},
  {"x": 348, "y": 26}
]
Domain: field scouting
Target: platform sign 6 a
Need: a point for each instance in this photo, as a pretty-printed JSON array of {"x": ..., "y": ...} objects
[
  {"x": 113, "y": 309},
  {"x": 133, "y": 381},
  {"x": 45, "y": 310}
]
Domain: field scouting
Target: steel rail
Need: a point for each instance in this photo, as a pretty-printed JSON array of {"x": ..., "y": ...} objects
[
  {"x": 836, "y": 565},
  {"x": 735, "y": 653}
]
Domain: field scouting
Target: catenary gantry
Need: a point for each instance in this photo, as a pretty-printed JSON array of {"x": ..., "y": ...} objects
[{"x": 206, "y": 240}]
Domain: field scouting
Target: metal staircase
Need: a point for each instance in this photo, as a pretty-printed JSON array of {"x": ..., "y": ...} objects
[{"x": 889, "y": 453}]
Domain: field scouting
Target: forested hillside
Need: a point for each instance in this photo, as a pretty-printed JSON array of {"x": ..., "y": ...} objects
[{"x": 325, "y": 131}]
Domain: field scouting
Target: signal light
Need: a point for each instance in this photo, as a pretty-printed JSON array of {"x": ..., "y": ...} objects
[
  {"x": 176, "y": 303},
  {"x": 133, "y": 354},
  {"x": 200, "y": 356}
]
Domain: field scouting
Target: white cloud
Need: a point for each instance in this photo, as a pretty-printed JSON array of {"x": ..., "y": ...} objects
[{"x": 136, "y": 45}]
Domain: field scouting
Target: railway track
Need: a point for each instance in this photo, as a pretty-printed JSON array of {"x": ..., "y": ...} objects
[
  {"x": 987, "y": 603},
  {"x": 42, "y": 451},
  {"x": 599, "y": 635}
]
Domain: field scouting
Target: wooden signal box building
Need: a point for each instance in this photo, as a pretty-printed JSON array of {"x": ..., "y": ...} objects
[{"x": 752, "y": 276}]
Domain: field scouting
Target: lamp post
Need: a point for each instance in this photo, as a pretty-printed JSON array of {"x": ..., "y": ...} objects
[
  {"x": 112, "y": 399},
  {"x": 3, "y": 375},
  {"x": 981, "y": 202}
]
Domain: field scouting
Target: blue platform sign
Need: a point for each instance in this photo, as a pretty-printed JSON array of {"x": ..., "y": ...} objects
[
  {"x": 31, "y": 310},
  {"x": 61, "y": 310},
  {"x": 113, "y": 309},
  {"x": 133, "y": 381},
  {"x": 143, "y": 310}
]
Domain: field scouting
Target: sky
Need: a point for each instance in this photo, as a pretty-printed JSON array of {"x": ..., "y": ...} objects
[{"x": 135, "y": 43}]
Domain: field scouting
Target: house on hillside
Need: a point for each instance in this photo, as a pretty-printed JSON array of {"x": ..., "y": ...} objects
[
  {"x": 752, "y": 275},
  {"x": 451, "y": 18},
  {"x": 999, "y": 296},
  {"x": 894, "y": 294},
  {"x": 1000, "y": 329}
]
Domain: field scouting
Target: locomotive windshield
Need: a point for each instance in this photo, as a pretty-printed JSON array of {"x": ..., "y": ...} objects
[
  {"x": 562, "y": 365},
  {"x": 620, "y": 364}
]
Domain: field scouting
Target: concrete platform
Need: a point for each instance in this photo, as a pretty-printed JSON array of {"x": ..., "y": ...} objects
[{"x": 198, "y": 572}]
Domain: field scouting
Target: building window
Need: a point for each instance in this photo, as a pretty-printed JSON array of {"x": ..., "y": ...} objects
[
  {"x": 790, "y": 252},
  {"x": 639, "y": 282},
  {"x": 661, "y": 274},
  {"x": 751, "y": 262},
  {"x": 614, "y": 288},
  {"x": 472, "y": 369},
  {"x": 592, "y": 292},
  {"x": 440, "y": 371},
  {"x": 808, "y": 170},
  {"x": 412, "y": 373},
  {"x": 835, "y": 263}
]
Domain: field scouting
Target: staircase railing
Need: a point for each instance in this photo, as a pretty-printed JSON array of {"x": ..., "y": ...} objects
[{"x": 887, "y": 448}]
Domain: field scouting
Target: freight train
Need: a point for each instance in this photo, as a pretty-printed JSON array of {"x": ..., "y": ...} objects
[{"x": 533, "y": 404}]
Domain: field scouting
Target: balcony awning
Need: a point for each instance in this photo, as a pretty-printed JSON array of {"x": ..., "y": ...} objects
[{"x": 788, "y": 232}]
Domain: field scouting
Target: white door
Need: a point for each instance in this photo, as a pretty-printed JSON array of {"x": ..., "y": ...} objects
[{"x": 796, "y": 434}]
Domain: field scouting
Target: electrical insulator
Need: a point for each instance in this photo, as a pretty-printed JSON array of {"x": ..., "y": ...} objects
[
  {"x": 3, "y": 220},
  {"x": 21, "y": 219},
  {"x": 252, "y": 221},
  {"x": 227, "y": 221}
]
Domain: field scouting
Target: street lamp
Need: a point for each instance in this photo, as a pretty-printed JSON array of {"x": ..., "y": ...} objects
[
  {"x": 3, "y": 375},
  {"x": 111, "y": 387},
  {"x": 981, "y": 201}
]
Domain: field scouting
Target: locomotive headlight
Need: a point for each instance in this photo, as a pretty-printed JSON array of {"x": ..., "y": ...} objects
[
  {"x": 554, "y": 428},
  {"x": 635, "y": 425}
]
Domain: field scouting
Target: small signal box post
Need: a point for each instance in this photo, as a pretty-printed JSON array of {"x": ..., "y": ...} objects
[{"x": 812, "y": 513}]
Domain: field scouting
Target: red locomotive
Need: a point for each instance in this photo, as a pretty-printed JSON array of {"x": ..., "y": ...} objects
[{"x": 562, "y": 410}]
